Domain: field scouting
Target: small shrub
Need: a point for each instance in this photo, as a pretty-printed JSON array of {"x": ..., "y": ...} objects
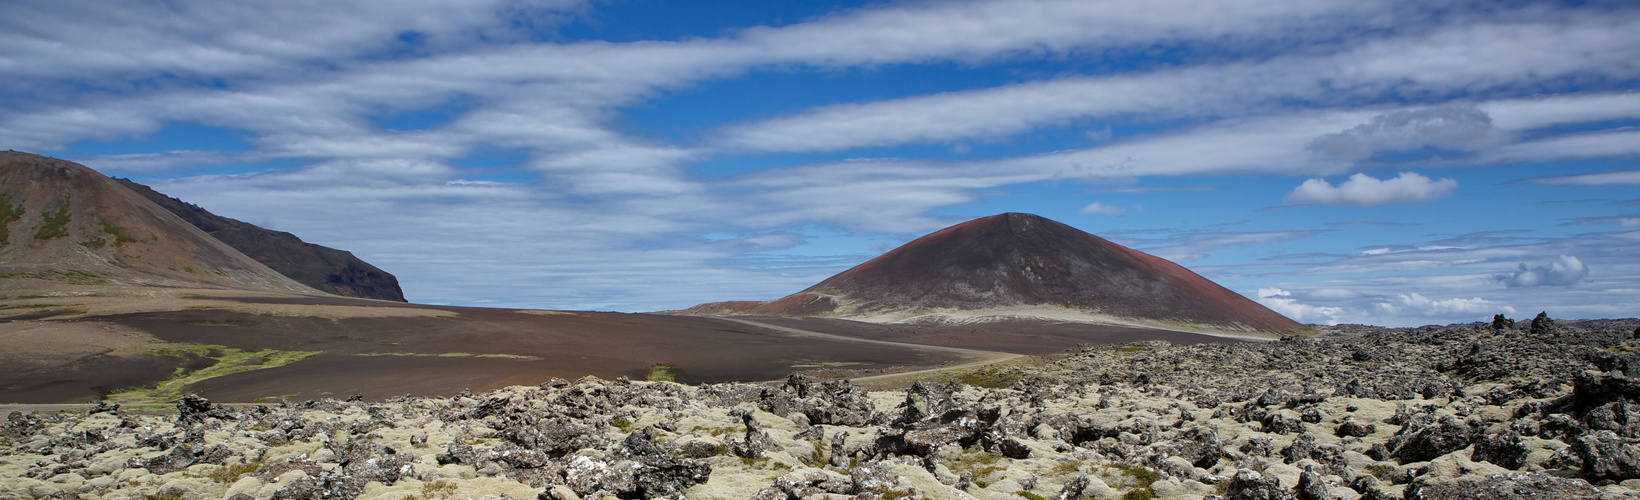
[
  {"x": 991, "y": 378},
  {"x": 661, "y": 373},
  {"x": 980, "y": 463},
  {"x": 120, "y": 238},
  {"x": 231, "y": 472},
  {"x": 1140, "y": 473},
  {"x": 621, "y": 423},
  {"x": 1068, "y": 467},
  {"x": 438, "y": 489}
]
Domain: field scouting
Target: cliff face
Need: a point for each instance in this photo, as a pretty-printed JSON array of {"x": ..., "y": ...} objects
[
  {"x": 326, "y": 269},
  {"x": 1012, "y": 261},
  {"x": 61, "y": 221}
]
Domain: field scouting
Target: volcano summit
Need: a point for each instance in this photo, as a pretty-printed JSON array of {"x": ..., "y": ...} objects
[{"x": 1013, "y": 265}]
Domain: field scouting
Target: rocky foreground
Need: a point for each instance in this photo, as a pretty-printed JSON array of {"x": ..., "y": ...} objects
[{"x": 1464, "y": 411}]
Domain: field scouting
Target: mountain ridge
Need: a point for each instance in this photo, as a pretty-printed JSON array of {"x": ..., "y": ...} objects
[
  {"x": 65, "y": 222},
  {"x": 331, "y": 270}
]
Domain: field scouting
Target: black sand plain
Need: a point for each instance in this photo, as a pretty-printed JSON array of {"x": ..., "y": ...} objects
[{"x": 485, "y": 349}]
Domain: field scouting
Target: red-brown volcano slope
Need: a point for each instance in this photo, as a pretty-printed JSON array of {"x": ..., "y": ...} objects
[
  {"x": 61, "y": 221},
  {"x": 1013, "y": 261}
]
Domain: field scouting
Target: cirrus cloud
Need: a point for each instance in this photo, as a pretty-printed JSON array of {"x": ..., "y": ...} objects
[{"x": 1613, "y": 178}]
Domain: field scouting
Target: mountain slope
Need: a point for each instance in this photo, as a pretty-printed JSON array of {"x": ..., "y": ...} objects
[
  {"x": 1019, "y": 264},
  {"x": 326, "y": 269},
  {"x": 63, "y": 222}
]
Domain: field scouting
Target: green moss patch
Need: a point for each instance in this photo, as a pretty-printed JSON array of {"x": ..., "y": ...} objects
[
  {"x": 223, "y": 361},
  {"x": 9, "y": 213},
  {"x": 992, "y": 378},
  {"x": 71, "y": 277},
  {"x": 661, "y": 373},
  {"x": 120, "y": 238},
  {"x": 56, "y": 224}
]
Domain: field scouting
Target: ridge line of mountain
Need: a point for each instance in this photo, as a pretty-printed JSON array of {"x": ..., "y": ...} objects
[{"x": 62, "y": 222}]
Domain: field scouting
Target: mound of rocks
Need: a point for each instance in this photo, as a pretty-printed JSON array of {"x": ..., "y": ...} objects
[{"x": 1462, "y": 411}]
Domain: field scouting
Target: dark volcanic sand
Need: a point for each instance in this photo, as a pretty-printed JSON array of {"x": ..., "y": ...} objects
[
  {"x": 1017, "y": 336},
  {"x": 569, "y": 346},
  {"x": 85, "y": 380}
]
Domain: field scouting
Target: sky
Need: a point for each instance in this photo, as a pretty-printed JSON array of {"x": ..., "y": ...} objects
[{"x": 1394, "y": 163}]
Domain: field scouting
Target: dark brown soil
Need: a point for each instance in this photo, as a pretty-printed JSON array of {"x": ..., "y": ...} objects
[
  {"x": 84, "y": 380},
  {"x": 485, "y": 349},
  {"x": 376, "y": 356},
  {"x": 1034, "y": 338}
]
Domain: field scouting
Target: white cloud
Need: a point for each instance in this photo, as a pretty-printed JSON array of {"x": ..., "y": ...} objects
[
  {"x": 1446, "y": 127},
  {"x": 975, "y": 31},
  {"x": 1627, "y": 220},
  {"x": 1192, "y": 246},
  {"x": 1370, "y": 286},
  {"x": 1601, "y": 144},
  {"x": 1364, "y": 190},
  {"x": 203, "y": 39},
  {"x": 1280, "y": 301},
  {"x": 1414, "y": 304},
  {"x": 986, "y": 113},
  {"x": 1102, "y": 209},
  {"x": 153, "y": 162},
  {"x": 1155, "y": 189},
  {"x": 1549, "y": 110},
  {"x": 1565, "y": 271},
  {"x": 1613, "y": 178},
  {"x": 1468, "y": 58}
]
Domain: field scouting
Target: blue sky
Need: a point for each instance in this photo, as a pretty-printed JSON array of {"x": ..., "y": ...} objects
[{"x": 1391, "y": 163}]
